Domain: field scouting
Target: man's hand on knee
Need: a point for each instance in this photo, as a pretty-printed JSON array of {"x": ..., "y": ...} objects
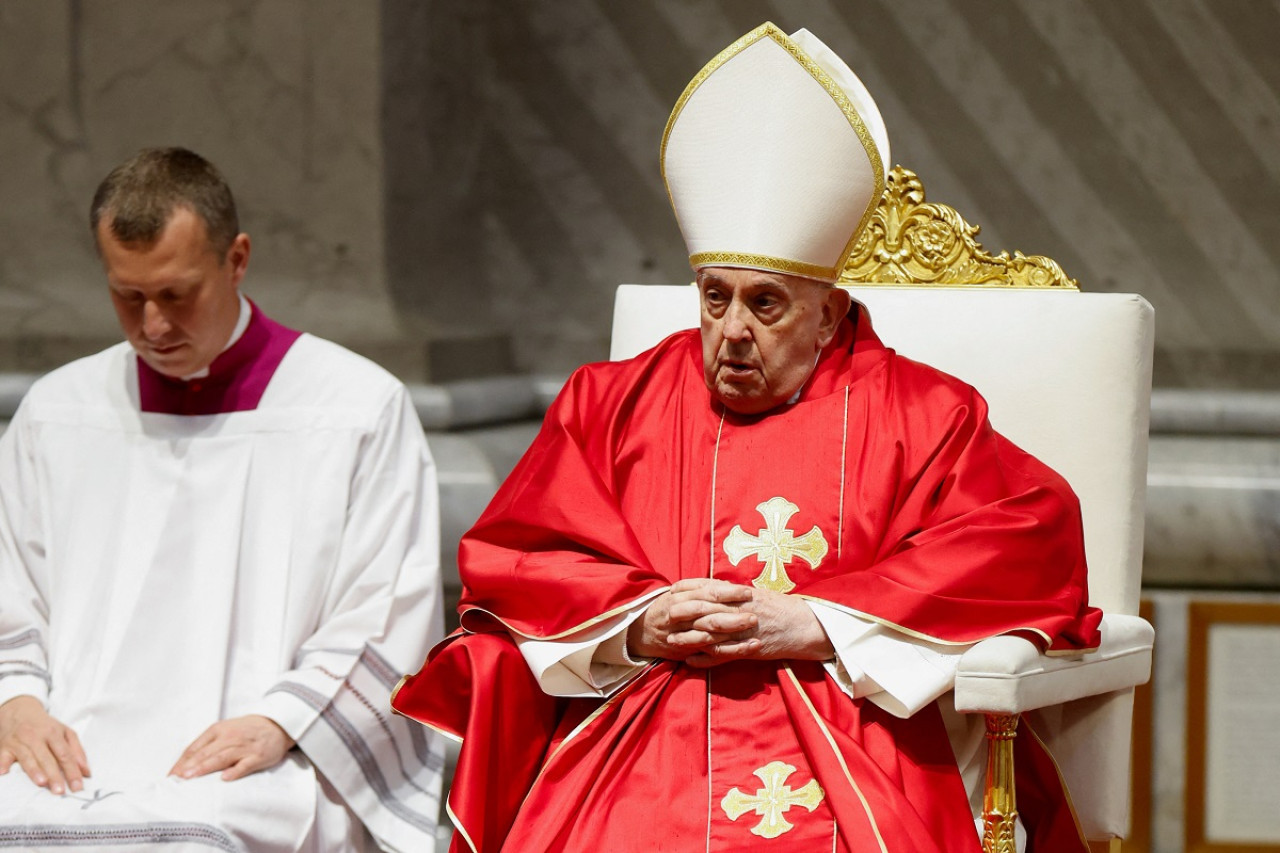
[
  {"x": 48, "y": 751},
  {"x": 237, "y": 747}
]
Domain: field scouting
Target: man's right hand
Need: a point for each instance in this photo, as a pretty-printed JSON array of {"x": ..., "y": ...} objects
[
  {"x": 694, "y": 615},
  {"x": 48, "y": 752}
]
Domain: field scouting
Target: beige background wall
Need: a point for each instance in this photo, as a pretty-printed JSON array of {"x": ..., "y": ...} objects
[
  {"x": 455, "y": 185},
  {"x": 283, "y": 95}
]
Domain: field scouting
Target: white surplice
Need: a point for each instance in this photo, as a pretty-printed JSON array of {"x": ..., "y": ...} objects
[{"x": 159, "y": 573}]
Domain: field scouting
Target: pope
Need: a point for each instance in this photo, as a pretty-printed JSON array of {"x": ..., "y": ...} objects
[{"x": 721, "y": 598}]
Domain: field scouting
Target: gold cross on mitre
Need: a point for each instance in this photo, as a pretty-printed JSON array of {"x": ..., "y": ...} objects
[
  {"x": 773, "y": 800},
  {"x": 775, "y": 545}
]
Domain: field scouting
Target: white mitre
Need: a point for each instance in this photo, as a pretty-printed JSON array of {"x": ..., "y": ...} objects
[{"x": 774, "y": 157}]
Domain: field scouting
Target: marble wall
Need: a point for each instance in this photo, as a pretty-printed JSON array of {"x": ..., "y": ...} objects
[
  {"x": 283, "y": 95},
  {"x": 1213, "y": 512},
  {"x": 1138, "y": 143},
  {"x": 457, "y": 185}
]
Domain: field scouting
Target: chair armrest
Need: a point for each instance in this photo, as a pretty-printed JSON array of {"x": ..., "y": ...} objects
[{"x": 1009, "y": 675}]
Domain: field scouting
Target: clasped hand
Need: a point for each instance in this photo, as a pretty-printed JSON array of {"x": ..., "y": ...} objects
[{"x": 705, "y": 622}]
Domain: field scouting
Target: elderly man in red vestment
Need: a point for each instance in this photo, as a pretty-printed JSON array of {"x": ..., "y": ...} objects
[{"x": 717, "y": 602}]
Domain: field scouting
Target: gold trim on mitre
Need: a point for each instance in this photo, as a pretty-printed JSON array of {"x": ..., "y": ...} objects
[
  {"x": 841, "y": 99},
  {"x": 740, "y": 259}
]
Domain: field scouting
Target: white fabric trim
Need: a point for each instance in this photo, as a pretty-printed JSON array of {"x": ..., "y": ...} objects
[
  {"x": 593, "y": 664},
  {"x": 899, "y": 674},
  {"x": 15, "y": 683}
]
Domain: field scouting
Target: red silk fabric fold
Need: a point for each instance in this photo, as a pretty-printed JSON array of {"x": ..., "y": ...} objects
[{"x": 927, "y": 520}]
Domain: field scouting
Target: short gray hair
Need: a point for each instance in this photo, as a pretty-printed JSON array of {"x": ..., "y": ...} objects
[{"x": 140, "y": 195}]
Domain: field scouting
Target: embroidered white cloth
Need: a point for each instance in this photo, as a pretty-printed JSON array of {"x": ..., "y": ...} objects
[{"x": 160, "y": 572}]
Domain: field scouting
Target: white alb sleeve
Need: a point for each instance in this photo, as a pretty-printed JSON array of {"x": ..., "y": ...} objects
[
  {"x": 899, "y": 673},
  {"x": 24, "y": 609},
  {"x": 590, "y": 664},
  {"x": 381, "y": 613}
]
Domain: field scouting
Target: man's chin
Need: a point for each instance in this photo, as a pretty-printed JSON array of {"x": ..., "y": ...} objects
[
  {"x": 171, "y": 365},
  {"x": 743, "y": 401}
]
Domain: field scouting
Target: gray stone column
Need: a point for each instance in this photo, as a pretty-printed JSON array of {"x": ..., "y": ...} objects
[{"x": 435, "y": 124}]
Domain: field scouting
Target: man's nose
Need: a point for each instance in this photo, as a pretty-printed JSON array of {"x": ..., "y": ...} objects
[
  {"x": 737, "y": 325},
  {"x": 154, "y": 324}
]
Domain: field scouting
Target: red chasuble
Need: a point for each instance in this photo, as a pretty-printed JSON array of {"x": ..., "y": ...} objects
[{"x": 883, "y": 491}]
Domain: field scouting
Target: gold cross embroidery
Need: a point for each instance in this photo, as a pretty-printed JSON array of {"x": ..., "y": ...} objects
[
  {"x": 773, "y": 800},
  {"x": 775, "y": 545}
]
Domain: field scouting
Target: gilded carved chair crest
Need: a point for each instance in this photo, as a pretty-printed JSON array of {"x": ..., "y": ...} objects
[{"x": 911, "y": 242}]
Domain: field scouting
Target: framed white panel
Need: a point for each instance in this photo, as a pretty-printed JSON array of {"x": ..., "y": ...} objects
[{"x": 1233, "y": 744}]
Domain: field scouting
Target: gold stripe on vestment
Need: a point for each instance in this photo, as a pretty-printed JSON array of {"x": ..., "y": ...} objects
[
  {"x": 604, "y": 706},
  {"x": 1075, "y": 818},
  {"x": 593, "y": 621},
  {"x": 844, "y": 456},
  {"x": 835, "y": 750},
  {"x": 458, "y": 827},
  {"x": 715, "y": 473}
]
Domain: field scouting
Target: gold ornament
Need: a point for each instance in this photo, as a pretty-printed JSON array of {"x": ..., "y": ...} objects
[
  {"x": 911, "y": 242},
  {"x": 775, "y": 545},
  {"x": 773, "y": 800}
]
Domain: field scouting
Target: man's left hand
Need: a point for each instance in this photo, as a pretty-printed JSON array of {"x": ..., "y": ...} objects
[
  {"x": 786, "y": 629},
  {"x": 237, "y": 747}
]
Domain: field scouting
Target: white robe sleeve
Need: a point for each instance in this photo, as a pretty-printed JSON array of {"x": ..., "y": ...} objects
[
  {"x": 24, "y": 611},
  {"x": 901, "y": 674},
  {"x": 381, "y": 613},
  {"x": 896, "y": 672},
  {"x": 590, "y": 664}
]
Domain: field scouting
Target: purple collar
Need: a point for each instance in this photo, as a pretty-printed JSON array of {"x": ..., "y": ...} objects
[{"x": 237, "y": 378}]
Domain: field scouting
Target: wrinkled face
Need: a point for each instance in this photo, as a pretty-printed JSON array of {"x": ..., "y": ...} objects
[
  {"x": 762, "y": 332},
  {"x": 176, "y": 299}
]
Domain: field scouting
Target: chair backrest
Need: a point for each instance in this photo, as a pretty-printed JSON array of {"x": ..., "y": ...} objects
[{"x": 1067, "y": 376}]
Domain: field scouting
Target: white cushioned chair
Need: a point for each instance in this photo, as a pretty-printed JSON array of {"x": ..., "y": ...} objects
[{"x": 1067, "y": 376}]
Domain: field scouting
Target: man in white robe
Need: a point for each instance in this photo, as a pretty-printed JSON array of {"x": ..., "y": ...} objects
[{"x": 218, "y": 549}]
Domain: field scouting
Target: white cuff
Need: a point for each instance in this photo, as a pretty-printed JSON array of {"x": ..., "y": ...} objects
[
  {"x": 899, "y": 673},
  {"x": 287, "y": 711},
  {"x": 591, "y": 664},
  {"x": 21, "y": 683}
]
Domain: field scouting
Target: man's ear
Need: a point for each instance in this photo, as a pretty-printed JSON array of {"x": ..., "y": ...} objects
[
  {"x": 238, "y": 257},
  {"x": 834, "y": 308}
]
